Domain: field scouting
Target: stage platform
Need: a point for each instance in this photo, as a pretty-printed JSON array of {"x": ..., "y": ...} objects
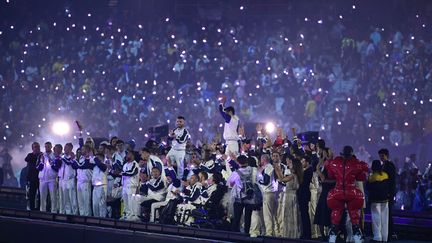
[{"x": 20, "y": 225}]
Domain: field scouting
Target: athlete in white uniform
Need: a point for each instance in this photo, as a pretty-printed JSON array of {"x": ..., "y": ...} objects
[
  {"x": 230, "y": 133},
  {"x": 179, "y": 137},
  {"x": 130, "y": 182},
  {"x": 84, "y": 167},
  {"x": 67, "y": 181},
  {"x": 48, "y": 165},
  {"x": 99, "y": 182}
]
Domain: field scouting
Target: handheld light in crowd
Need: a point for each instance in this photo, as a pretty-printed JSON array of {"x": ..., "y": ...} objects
[
  {"x": 61, "y": 128},
  {"x": 270, "y": 127}
]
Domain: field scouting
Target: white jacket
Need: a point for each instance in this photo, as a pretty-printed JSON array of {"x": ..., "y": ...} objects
[
  {"x": 179, "y": 141},
  {"x": 66, "y": 171},
  {"x": 85, "y": 169},
  {"x": 130, "y": 177},
  {"x": 170, "y": 192},
  {"x": 266, "y": 179},
  {"x": 230, "y": 129},
  {"x": 156, "y": 189},
  {"x": 46, "y": 173},
  {"x": 99, "y": 176}
]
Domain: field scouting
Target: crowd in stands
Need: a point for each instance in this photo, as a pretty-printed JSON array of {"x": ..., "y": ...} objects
[{"x": 121, "y": 76}]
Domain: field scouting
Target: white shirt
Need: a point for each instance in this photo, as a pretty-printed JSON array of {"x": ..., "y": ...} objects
[{"x": 180, "y": 139}]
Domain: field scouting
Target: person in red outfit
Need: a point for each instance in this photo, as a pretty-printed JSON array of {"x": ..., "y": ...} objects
[{"x": 346, "y": 170}]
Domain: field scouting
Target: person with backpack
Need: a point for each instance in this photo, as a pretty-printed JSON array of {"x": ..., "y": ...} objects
[{"x": 245, "y": 193}]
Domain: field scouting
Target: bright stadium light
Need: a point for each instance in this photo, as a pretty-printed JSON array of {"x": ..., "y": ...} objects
[
  {"x": 60, "y": 128},
  {"x": 270, "y": 127}
]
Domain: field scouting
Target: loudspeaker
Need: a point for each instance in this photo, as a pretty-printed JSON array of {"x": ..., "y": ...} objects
[{"x": 158, "y": 132}]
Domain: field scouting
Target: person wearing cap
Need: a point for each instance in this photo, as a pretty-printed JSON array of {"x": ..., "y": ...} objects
[
  {"x": 179, "y": 137},
  {"x": 346, "y": 169},
  {"x": 231, "y": 127}
]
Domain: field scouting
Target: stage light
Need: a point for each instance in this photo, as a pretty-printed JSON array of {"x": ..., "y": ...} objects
[
  {"x": 270, "y": 127},
  {"x": 61, "y": 128}
]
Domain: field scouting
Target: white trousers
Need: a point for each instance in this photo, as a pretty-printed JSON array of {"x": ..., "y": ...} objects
[
  {"x": 269, "y": 211},
  {"x": 68, "y": 197},
  {"x": 280, "y": 213},
  {"x": 127, "y": 194},
  {"x": 257, "y": 224},
  {"x": 380, "y": 218},
  {"x": 84, "y": 198},
  {"x": 315, "y": 232},
  {"x": 52, "y": 188},
  {"x": 99, "y": 201},
  {"x": 177, "y": 157},
  {"x": 232, "y": 147},
  {"x": 154, "y": 207},
  {"x": 135, "y": 204}
]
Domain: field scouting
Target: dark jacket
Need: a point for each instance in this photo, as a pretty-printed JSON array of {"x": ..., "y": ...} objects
[
  {"x": 32, "y": 173},
  {"x": 303, "y": 192},
  {"x": 378, "y": 187},
  {"x": 389, "y": 168}
]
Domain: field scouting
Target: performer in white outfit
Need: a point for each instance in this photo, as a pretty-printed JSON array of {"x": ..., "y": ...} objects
[
  {"x": 84, "y": 167},
  {"x": 230, "y": 133},
  {"x": 48, "y": 165},
  {"x": 130, "y": 181},
  {"x": 179, "y": 137},
  {"x": 99, "y": 182},
  {"x": 151, "y": 191},
  {"x": 67, "y": 181},
  {"x": 173, "y": 189}
]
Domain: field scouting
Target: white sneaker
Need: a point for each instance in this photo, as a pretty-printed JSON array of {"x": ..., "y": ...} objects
[
  {"x": 357, "y": 238},
  {"x": 332, "y": 238},
  {"x": 134, "y": 218}
]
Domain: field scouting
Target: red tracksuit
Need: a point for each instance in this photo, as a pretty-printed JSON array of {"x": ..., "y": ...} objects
[{"x": 346, "y": 171}]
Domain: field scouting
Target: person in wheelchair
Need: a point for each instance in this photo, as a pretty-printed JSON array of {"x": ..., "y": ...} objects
[
  {"x": 174, "y": 185},
  {"x": 190, "y": 198},
  {"x": 209, "y": 214},
  {"x": 151, "y": 191}
]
